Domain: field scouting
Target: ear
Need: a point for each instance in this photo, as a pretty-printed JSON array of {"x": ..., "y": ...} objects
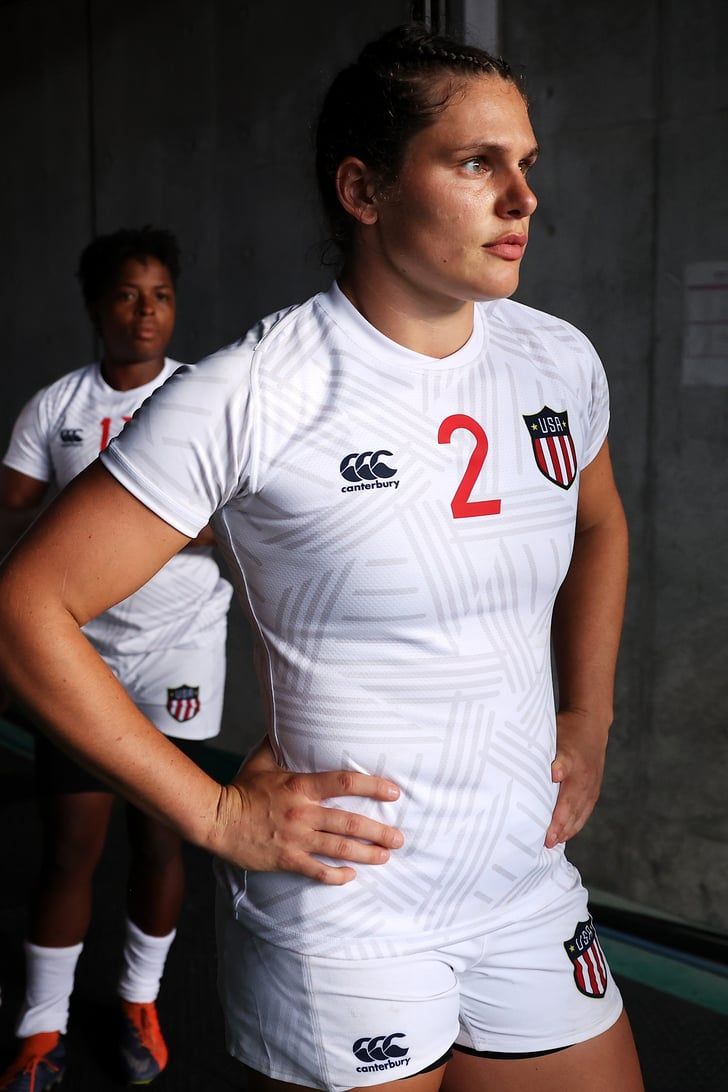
[{"x": 357, "y": 188}]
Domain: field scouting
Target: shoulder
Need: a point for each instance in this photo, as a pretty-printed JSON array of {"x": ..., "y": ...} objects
[
  {"x": 69, "y": 382},
  {"x": 267, "y": 343},
  {"x": 56, "y": 395},
  {"x": 555, "y": 334}
]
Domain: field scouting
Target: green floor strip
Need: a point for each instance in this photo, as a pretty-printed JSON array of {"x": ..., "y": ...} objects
[
  {"x": 692, "y": 984},
  {"x": 16, "y": 739}
]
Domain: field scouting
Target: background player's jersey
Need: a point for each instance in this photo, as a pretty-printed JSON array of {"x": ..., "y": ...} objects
[
  {"x": 399, "y": 527},
  {"x": 59, "y": 432}
]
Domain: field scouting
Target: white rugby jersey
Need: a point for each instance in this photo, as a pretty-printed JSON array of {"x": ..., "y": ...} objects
[
  {"x": 58, "y": 433},
  {"x": 398, "y": 527}
]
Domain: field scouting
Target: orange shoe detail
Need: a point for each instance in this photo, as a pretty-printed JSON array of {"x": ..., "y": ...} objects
[
  {"x": 39, "y": 1064},
  {"x": 144, "y": 1051}
]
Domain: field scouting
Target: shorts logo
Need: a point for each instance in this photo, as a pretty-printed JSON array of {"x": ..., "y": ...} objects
[
  {"x": 382, "y": 1052},
  {"x": 71, "y": 436},
  {"x": 183, "y": 702},
  {"x": 367, "y": 470},
  {"x": 590, "y": 966},
  {"x": 553, "y": 446}
]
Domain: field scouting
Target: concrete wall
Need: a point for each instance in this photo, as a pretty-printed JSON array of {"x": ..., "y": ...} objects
[
  {"x": 629, "y": 104},
  {"x": 195, "y": 116}
]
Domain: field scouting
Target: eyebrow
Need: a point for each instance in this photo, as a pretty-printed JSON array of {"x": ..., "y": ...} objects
[
  {"x": 133, "y": 284},
  {"x": 484, "y": 146}
]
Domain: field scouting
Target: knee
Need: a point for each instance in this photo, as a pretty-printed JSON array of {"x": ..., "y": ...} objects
[
  {"x": 159, "y": 851},
  {"x": 73, "y": 855}
]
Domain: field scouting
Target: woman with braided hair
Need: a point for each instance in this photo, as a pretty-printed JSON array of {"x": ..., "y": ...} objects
[{"x": 410, "y": 477}]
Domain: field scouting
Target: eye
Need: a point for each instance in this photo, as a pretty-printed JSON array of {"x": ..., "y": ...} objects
[
  {"x": 475, "y": 165},
  {"x": 525, "y": 166}
]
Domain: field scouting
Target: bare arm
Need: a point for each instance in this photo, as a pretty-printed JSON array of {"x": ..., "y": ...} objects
[
  {"x": 586, "y": 631},
  {"x": 94, "y": 546}
]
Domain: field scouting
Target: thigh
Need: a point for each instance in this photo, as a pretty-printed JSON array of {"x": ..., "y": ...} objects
[
  {"x": 602, "y": 1064},
  {"x": 540, "y": 984},
  {"x": 74, "y": 828},
  {"x": 334, "y": 1024},
  {"x": 56, "y": 773},
  {"x": 181, "y": 690}
]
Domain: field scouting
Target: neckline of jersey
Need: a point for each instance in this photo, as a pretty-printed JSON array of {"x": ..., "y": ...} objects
[
  {"x": 134, "y": 392},
  {"x": 345, "y": 315}
]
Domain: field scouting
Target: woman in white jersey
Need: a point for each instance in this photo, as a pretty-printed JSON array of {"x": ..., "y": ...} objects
[
  {"x": 166, "y": 644},
  {"x": 403, "y": 472}
]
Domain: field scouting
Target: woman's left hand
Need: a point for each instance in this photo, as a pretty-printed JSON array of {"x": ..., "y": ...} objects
[{"x": 577, "y": 769}]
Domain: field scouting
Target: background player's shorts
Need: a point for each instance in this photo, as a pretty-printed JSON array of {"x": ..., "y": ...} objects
[
  {"x": 532, "y": 985},
  {"x": 180, "y": 689}
]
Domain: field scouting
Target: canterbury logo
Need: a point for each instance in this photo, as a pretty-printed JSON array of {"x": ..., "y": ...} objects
[
  {"x": 366, "y": 467},
  {"x": 381, "y": 1052},
  {"x": 71, "y": 436}
]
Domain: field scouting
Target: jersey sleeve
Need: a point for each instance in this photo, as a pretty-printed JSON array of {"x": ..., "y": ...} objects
[
  {"x": 187, "y": 449},
  {"x": 29, "y": 451},
  {"x": 598, "y": 409}
]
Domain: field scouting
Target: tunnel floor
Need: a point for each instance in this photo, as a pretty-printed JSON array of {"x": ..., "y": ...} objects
[{"x": 683, "y": 1046}]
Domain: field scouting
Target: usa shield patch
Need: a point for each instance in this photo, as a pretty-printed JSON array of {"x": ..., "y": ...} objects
[
  {"x": 590, "y": 966},
  {"x": 183, "y": 702},
  {"x": 552, "y": 444}
]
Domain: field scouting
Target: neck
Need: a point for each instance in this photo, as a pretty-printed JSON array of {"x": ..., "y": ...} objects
[
  {"x": 125, "y": 375},
  {"x": 423, "y": 321}
]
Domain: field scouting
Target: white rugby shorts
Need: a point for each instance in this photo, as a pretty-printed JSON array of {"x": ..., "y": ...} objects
[
  {"x": 181, "y": 690},
  {"x": 520, "y": 987}
]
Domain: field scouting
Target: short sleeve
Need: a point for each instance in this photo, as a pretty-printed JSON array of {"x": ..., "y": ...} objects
[
  {"x": 29, "y": 451},
  {"x": 187, "y": 449},
  {"x": 598, "y": 409}
]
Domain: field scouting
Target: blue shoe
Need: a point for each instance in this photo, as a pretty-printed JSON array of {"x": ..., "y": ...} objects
[
  {"x": 39, "y": 1064},
  {"x": 144, "y": 1052}
]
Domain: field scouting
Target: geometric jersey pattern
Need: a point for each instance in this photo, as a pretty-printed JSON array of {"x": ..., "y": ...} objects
[
  {"x": 57, "y": 435},
  {"x": 404, "y": 632}
]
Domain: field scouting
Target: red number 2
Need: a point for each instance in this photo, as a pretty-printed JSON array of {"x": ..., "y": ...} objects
[{"x": 461, "y": 504}]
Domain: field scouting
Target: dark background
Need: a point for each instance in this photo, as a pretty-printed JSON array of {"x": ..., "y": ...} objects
[{"x": 197, "y": 117}]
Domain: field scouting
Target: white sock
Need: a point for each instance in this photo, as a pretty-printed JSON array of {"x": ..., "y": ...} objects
[
  {"x": 48, "y": 987},
  {"x": 144, "y": 959}
]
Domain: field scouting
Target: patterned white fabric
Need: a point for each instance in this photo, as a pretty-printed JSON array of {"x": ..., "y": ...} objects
[
  {"x": 341, "y": 1023},
  {"x": 399, "y": 547},
  {"x": 60, "y": 432}
]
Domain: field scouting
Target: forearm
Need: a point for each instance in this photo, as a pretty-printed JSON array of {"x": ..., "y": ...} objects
[{"x": 588, "y": 619}]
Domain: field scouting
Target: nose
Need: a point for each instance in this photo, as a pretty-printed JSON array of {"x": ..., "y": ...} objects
[
  {"x": 517, "y": 199},
  {"x": 145, "y": 303}
]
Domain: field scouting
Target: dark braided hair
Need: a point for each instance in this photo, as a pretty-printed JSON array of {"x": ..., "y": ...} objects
[
  {"x": 102, "y": 259},
  {"x": 376, "y": 105}
]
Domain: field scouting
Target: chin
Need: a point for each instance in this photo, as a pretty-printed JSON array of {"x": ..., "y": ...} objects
[
  {"x": 492, "y": 293},
  {"x": 499, "y": 289}
]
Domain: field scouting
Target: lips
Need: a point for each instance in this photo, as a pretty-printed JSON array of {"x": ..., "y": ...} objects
[
  {"x": 509, "y": 247},
  {"x": 146, "y": 332}
]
